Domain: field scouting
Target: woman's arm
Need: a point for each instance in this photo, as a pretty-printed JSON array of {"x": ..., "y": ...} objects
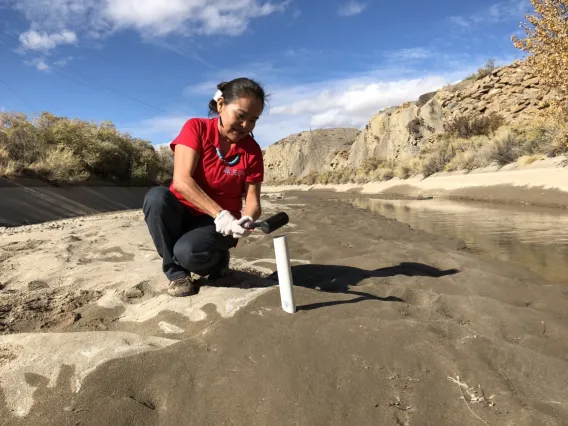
[
  {"x": 185, "y": 162},
  {"x": 252, "y": 201}
]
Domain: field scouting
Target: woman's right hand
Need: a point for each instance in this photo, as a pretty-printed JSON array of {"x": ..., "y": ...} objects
[{"x": 227, "y": 224}]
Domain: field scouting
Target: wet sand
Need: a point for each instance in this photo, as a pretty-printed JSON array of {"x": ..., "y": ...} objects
[{"x": 395, "y": 326}]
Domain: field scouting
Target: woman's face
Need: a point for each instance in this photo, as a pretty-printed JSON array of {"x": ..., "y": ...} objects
[{"x": 239, "y": 117}]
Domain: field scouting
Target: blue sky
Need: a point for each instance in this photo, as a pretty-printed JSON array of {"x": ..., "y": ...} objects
[{"x": 149, "y": 65}]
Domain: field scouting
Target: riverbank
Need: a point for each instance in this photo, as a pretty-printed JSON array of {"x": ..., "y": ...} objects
[
  {"x": 542, "y": 183},
  {"x": 25, "y": 201},
  {"x": 395, "y": 326}
]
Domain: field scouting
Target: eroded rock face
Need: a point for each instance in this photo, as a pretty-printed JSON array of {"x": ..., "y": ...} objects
[
  {"x": 510, "y": 91},
  {"x": 311, "y": 151},
  {"x": 396, "y": 132}
]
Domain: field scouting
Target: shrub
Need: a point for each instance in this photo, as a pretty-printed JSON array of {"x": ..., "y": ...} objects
[
  {"x": 506, "y": 149},
  {"x": 165, "y": 158},
  {"x": 407, "y": 167},
  {"x": 464, "y": 127},
  {"x": 371, "y": 163},
  {"x": 385, "y": 173},
  {"x": 437, "y": 155},
  {"x": 484, "y": 71},
  {"x": 413, "y": 127},
  {"x": 19, "y": 139},
  {"x": 99, "y": 151},
  {"x": 60, "y": 164},
  {"x": 7, "y": 166},
  {"x": 310, "y": 178}
]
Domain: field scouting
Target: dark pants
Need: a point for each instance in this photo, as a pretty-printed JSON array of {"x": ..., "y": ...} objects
[{"x": 185, "y": 242}]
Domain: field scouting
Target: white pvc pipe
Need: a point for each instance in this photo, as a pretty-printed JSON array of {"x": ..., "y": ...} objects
[{"x": 284, "y": 274}]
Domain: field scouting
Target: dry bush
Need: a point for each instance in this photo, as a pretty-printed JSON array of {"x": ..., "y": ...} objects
[
  {"x": 7, "y": 166},
  {"x": 101, "y": 151},
  {"x": 407, "y": 167},
  {"x": 60, "y": 164},
  {"x": 385, "y": 173},
  {"x": 464, "y": 160},
  {"x": 144, "y": 162},
  {"x": 484, "y": 71},
  {"x": 19, "y": 138},
  {"x": 543, "y": 137},
  {"x": 464, "y": 127},
  {"x": 414, "y": 128},
  {"x": 310, "y": 178},
  {"x": 506, "y": 148},
  {"x": 469, "y": 154},
  {"x": 436, "y": 153},
  {"x": 165, "y": 165},
  {"x": 371, "y": 163}
]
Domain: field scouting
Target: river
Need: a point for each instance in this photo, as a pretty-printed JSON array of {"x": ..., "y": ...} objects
[{"x": 534, "y": 237}]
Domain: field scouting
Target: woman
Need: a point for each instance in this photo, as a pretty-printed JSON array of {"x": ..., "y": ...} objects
[{"x": 198, "y": 219}]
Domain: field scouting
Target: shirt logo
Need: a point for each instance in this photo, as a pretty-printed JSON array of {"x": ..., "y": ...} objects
[{"x": 234, "y": 172}]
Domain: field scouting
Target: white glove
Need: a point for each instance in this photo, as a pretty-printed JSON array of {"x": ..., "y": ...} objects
[
  {"x": 227, "y": 224},
  {"x": 241, "y": 230},
  {"x": 224, "y": 221}
]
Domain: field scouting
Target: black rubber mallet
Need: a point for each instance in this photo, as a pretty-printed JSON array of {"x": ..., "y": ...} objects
[{"x": 271, "y": 224}]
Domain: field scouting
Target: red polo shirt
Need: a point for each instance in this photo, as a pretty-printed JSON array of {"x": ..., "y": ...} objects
[{"x": 223, "y": 183}]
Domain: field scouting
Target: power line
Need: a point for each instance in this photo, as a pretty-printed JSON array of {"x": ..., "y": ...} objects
[
  {"x": 18, "y": 97},
  {"x": 96, "y": 83}
]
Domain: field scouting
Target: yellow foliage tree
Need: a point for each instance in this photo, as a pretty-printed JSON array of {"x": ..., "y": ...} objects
[{"x": 547, "y": 43}]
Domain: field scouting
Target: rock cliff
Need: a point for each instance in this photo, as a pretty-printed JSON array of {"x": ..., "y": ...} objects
[
  {"x": 310, "y": 151},
  {"x": 510, "y": 91}
]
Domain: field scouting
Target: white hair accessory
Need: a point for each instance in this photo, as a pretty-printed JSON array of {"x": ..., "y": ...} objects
[{"x": 218, "y": 94}]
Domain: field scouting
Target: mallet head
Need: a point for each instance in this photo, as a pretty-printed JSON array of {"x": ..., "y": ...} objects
[{"x": 271, "y": 224}]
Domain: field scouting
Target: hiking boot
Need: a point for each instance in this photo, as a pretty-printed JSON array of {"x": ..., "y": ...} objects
[{"x": 182, "y": 287}]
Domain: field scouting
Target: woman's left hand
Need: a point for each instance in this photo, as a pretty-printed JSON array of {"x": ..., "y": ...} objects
[{"x": 243, "y": 221}]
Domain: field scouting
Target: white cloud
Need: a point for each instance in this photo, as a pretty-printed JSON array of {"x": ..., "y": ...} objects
[
  {"x": 205, "y": 88},
  {"x": 294, "y": 108},
  {"x": 496, "y": 13},
  {"x": 40, "y": 64},
  {"x": 160, "y": 130},
  {"x": 151, "y": 18},
  {"x": 63, "y": 62},
  {"x": 339, "y": 103},
  {"x": 410, "y": 53},
  {"x": 351, "y": 8},
  {"x": 35, "y": 40}
]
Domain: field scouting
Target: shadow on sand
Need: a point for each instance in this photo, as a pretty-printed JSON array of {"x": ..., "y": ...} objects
[{"x": 339, "y": 279}]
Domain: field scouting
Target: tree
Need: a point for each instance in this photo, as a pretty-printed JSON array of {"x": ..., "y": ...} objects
[{"x": 547, "y": 43}]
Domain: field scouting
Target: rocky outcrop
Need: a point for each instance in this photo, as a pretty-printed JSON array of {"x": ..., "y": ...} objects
[
  {"x": 396, "y": 132},
  {"x": 311, "y": 151},
  {"x": 510, "y": 91}
]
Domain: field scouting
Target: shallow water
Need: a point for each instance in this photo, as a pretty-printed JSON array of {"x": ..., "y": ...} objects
[{"x": 536, "y": 238}]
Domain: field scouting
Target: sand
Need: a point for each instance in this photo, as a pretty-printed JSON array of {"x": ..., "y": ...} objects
[
  {"x": 544, "y": 183},
  {"x": 394, "y": 326}
]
